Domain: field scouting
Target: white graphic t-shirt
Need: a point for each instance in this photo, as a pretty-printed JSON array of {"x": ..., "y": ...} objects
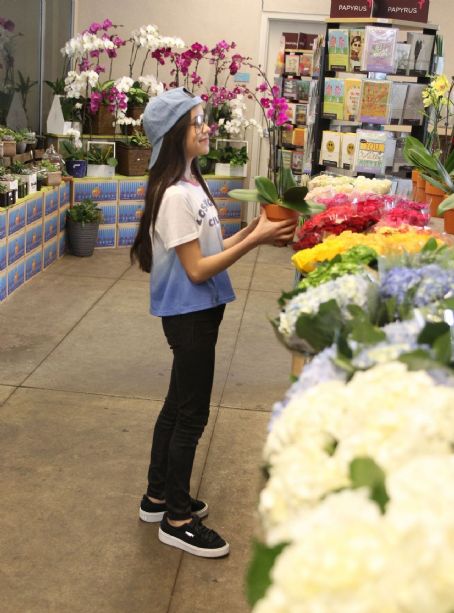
[{"x": 186, "y": 214}]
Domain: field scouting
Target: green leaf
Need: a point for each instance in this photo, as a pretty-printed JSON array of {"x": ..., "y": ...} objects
[
  {"x": 446, "y": 205},
  {"x": 443, "y": 348},
  {"x": 434, "y": 182},
  {"x": 267, "y": 190},
  {"x": 361, "y": 328},
  {"x": 320, "y": 330},
  {"x": 432, "y": 331},
  {"x": 431, "y": 245},
  {"x": 449, "y": 165},
  {"x": 286, "y": 179},
  {"x": 364, "y": 472},
  {"x": 245, "y": 195},
  {"x": 258, "y": 575},
  {"x": 418, "y": 360}
]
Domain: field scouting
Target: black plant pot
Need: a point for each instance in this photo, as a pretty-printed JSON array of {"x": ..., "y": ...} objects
[{"x": 81, "y": 237}]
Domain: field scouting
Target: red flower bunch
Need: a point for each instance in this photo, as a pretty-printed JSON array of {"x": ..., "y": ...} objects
[{"x": 406, "y": 212}]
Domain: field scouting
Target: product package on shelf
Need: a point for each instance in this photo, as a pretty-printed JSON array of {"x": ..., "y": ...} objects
[
  {"x": 291, "y": 112},
  {"x": 422, "y": 47},
  {"x": 286, "y": 136},
  {"x": 317, "y": 54},
  {"x": 289, "y": 88},
  {"x": 302, "y": 89},
  {"x": 370, "y": 152},
  {"x": 338, "y": 49},
  {"x": 297, "y": 162},
  {"x": 292, "y": 62},
  {"x": 298, "y": 137},
  {"x": 374, "y": 107},
  {"x": 300, "y": 114},
  {"x": 333, "y": 100},
  {"x": 348, "y": 149},
  {"x": 402, "y": 65},
  {"x": 413, "y": 108},
  {"x": 290, "y": 40},
  {"x": 397, "y": 102},
  {"x": 379, "y": 49},
  {"x": 306, "y": 41},
  {"x": 305, "y": 64},
  {"x": 331, "y": 147},
  {"x": 352, "y": 97},
  {"x": 284, "y": 158},
  {"x": 390, "y": 151},
  {"x": 356, "y": 46}
]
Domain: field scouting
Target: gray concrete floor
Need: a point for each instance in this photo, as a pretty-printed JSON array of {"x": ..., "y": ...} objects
[{"x": 84, "y": 370}]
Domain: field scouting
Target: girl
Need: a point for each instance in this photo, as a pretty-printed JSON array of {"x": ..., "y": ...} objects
[{"x": 179, "y": 240}]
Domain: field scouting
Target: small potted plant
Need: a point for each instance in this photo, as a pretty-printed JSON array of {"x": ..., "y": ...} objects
[
  {"x": 230, "y": 161},
  {"x": 53, "y": 173},
  {"x": 7, "y": 196},
  {"x": 21, "y": 144},
  {"x": 75, "y": 158},
  {"x": 82, "y": 224},
  {"x": 9, "y": 142},
  {"x": 134, "y": 155},
  {"x": 101, "y": 160}
]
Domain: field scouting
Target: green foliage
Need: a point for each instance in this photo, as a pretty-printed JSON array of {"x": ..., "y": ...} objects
[
  {"x": 57, "y": 86},
  {"x": 101, "y": 155},
  {"x": 446, "y": 205},
  {"x": 258, "y": 575},
  {"x": 229, "y": 155},
  {"x": 17, "y": 167},
  {"x": 320, "y": 330},
  {"x": 429, "y": 165},
  {"x": 85, "y": 212},
  {"x": 48, "y": 166},
  {"x": 136, "y": 95},
  {"x": 138, "y": 139},
  {"x": 71, "y": 152},
  {"x": 364, "y": 472}
]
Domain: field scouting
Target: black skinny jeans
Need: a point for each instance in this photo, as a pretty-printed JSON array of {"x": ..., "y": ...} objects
[{"x": 192, "y": 338}]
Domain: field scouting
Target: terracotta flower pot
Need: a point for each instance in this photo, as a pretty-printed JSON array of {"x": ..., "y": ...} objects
[
  {"x": 420, "y": 194},
  {"x": 274, "y": 212},
  {"x": 434, "y": 197},
  {"x": 448, "y": 218},
  {"x": 414, "y": 178}
]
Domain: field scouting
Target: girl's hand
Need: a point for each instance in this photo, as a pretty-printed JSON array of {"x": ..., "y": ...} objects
[{"x": 277, "y": 233}]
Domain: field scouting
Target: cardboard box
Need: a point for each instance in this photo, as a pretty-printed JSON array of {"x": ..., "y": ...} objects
[
  {"x": 231, "y": 227},
  {"x": 31, "y": 181},
  {"x": 100, "y": 191},
  {"x": 130, "y": 212},
  {"x": 35, "y": 209},
  {"x": 109, "y": 213},
  {"x": 65, "y": 193},
  {"x": 62, "y": 217},
  {"x": 126, "y": 234},
  {"x": 33, "y": 264},
  {"x": 351, "y": 8},
  {"x": 220, "y": 188},
  {"x": 132, "y": 190},
  {"x": 16, "y": 247},
  {"x": 51, "y": 202},
  {"x": 3, "y": 254},
  {"x": 50, "y": 227},
  {"x": 228, "y": 209},
  {"x": 62, "y": 244},
  {"x": 16, "y": 218},
  {"x": 408, "y": 10},
  {"x": 107, "y": 235},
  {"x": 16, "y": 276},
  {"x": 3, "y": 285},
  {"x": 50, "y": 252},
  {"x": 3, "y": 219},
  {"x": 33, "y": 236}
]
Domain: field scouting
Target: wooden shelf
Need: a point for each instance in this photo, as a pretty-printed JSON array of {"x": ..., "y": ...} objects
[
  {"x": 409, "y": 25},
  {"x": 298, "y": 51}
]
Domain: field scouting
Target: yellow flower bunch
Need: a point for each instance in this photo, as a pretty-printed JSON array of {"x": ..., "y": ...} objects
[
  {"x": 436, "y": 92},
  {"x": 385, "y": 241}
]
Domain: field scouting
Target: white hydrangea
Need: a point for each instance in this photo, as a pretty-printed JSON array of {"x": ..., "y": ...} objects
[{"x": 76, "y": 84}]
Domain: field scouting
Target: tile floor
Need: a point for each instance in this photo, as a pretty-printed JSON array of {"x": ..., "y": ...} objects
[{"x": 84, "y": 369}]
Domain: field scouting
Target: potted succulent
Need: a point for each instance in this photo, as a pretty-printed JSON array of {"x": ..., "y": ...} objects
[
  {"x": 9, "y": 142},
  {"x": 75, "y": 159},
  {"x": 53, "y": 175},
  {"x": 133, "y": 155},
  {"x": 101, "y": 160},
  {"x": 21, "y": 144},
  {"x": 283, "y": 199},
  {"x": 82, "y": 224}
]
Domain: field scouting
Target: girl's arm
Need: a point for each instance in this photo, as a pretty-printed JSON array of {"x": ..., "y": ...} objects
[
  {"x": 241, "y": 235},
  {"x": 200, "y": 268}
]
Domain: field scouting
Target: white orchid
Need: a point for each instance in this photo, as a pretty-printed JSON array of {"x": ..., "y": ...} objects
[
  {"x": 124, "y": 84},
  {"x": 151, "y": 85},
  {"x": 76, "y": 84}
]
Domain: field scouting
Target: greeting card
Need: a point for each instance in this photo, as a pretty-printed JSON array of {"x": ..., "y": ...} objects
[
  {"x": 370, "y": 152},
  {"x": 374, "y": 106},
  {"x": 348, "y": 148},
  {"x": 292, "y": 63},
  {"x": 338, "y": 52},
  {"x": 352, "y": 97},
  {"x": 379, "y": 49},
  {"x": 422, "y": 46},
  {"x": 356, "y": 49},
  {"x": 333, "y": 101},
  {"x": 330, "y": 150}
]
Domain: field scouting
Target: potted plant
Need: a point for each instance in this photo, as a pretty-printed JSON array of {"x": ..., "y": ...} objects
[
  {"x": 231, "y": 161},
  {"x": 281, "y": 200},
  {"x": 133, "y": 155},
  {"x": 52, "y": 171},
  {"x": 82, "y": 224},
  {"x": 101, "y": 160},
  {"x": 75, "y": 158},
  {"x": 21, "y": 145},
  {"x": 9, "y": 142},
  {"x": 7, "y": 196}
]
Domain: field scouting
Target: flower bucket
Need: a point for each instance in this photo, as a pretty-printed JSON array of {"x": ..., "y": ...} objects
[
  {"x": 76, "y": 168},
  {"x": 448, "y": 219},
  {"x": 81, "y": 237},
  {"x": 274, "y": 212},
  {"x": 229, "y": 170},
  {"x": 434, "y": 197},
  {"x": 102, "y": 171},
  {"x": 132, "y": 161},
  {"x": 100, "y": 123}
]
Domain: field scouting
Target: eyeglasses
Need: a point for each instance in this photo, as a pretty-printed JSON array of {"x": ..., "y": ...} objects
[{"x": 198, "y": 122}]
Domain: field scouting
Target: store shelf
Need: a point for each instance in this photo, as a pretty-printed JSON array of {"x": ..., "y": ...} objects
[
  {"x": 298, "y": 51},
  {"x": 398, "y": 23}
]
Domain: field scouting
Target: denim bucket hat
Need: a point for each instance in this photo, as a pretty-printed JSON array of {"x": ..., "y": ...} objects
[{"x": 163, "y": 112}]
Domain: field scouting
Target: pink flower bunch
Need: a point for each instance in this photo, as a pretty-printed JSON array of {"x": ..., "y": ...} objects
[
  {"x": 221, "y": 49},
  {"x": 112, "y": 98},
  {"x": 95, "y": 27},
  {"x": 406, "y": 212},
  {"x": 7, "y": 24},
  {"x": 276, "y": 107},
  {"x": 160, "y": 55}
]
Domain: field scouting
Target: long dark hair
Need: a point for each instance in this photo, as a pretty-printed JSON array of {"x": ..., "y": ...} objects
[{"x": 167, "y": 170}]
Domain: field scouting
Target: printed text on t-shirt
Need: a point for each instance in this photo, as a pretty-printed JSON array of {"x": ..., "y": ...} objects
[{"x": 202, "y": 212}]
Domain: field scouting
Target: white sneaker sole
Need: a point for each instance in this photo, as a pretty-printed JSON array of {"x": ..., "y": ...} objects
[
  {"x": 152, "y": 518},
  {"x": 173, "y": 541}
]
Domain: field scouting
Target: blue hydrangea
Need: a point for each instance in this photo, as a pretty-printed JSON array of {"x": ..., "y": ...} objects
[
  {"x": 436, "y": 283},
  {"x": 396, "y": 282}
]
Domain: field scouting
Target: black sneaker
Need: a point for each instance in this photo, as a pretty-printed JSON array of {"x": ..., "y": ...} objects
[
  {"x": 153, "y": 512},
  {"x": 194, "y": 538}
]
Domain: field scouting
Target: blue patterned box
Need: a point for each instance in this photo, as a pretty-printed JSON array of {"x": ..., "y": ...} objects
[
  {"x": 61, "y": 244},
  {"x": 3, "y": 216},
  {"x": 229, "y": 228},
  {"x": 65, "y": 193},
  {"x": 126, "y": 234},
  {"x": 33, "y": 236},
  {"x": 50, "y": 227},
  {"x": 33, "y": 264},
  {"x": 16, "y": 218},
  {"x": 16, "y": 247},
  {"x": 35, "y": 209},
  {"x": 62, "y": 217},
  {"x": 51, "y": 202},
  {"x": 3, "y": 254},
  {"x": 3, "y": 285},
  {"x": 221, "y": 187},
  {"x": 130, "y": 212},
  {"x": 109, "y": 213},
  {"x": 16, "y": 276},
  {"x": 50, "y": 252},
  {"x": 106, "y": 236},
  {"x": 228, "y": 209},
  {"x": 99, "y": 191},
  {"x": 133, "y": 190}
]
